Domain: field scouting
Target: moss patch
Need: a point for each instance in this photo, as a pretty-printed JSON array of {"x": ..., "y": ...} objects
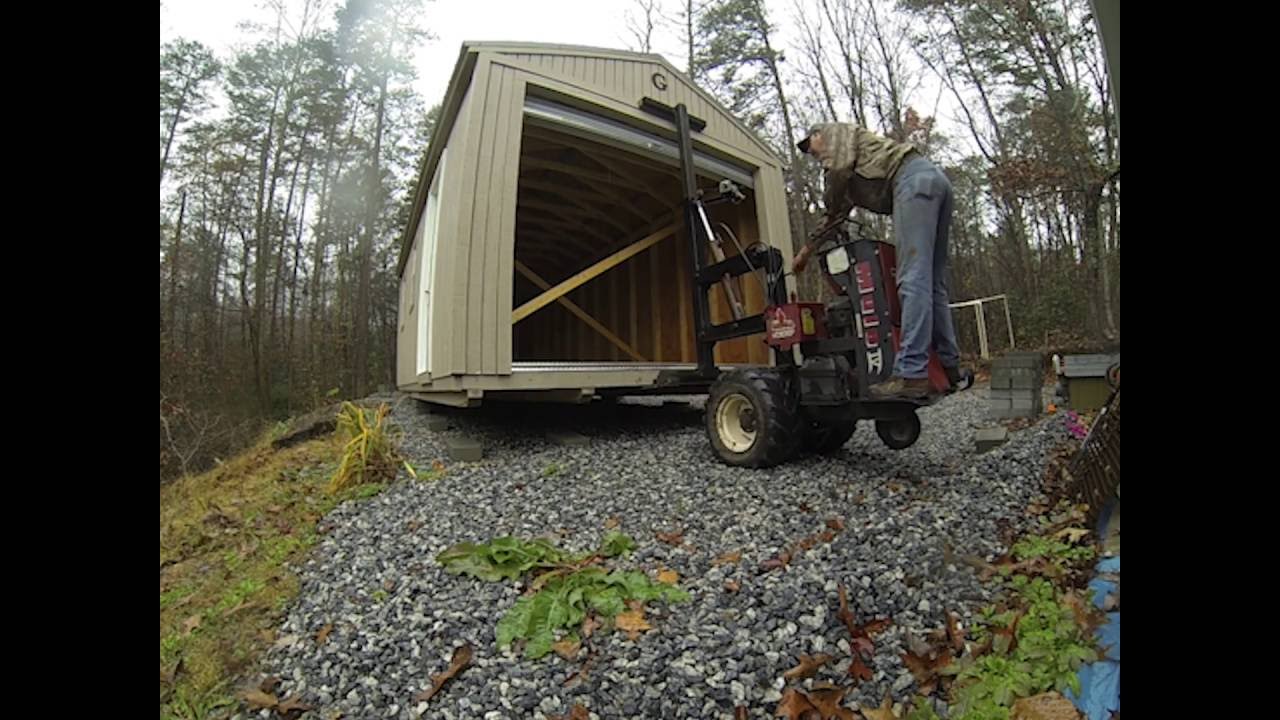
[{"x": 227, "y": 537}]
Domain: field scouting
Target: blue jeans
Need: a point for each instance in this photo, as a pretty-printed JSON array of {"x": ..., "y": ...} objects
[{"x": 922, "y": 203}]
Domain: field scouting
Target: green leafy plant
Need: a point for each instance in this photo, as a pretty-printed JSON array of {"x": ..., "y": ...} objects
[
  {"x": 551, "y": 470},
  {"x": 1042, "y": 650},
  {"x": 922, "y": 710},
  {"x": 564, "y": 601},
  {"x": 501, "y": 558},
  {"x": 567, "y": 588}
]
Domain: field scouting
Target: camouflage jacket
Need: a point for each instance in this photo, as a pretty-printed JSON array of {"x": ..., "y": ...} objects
[{"x": 859, "y": 167}]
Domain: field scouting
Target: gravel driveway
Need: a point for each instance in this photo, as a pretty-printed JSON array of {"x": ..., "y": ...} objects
[{"x": 397, "y": 616}]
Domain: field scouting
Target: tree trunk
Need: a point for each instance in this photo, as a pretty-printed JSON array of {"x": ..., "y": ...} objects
[
  {"x": 173, "y": 271},
  {"x": 173, "y": 128},
  {"x": 365, "y": 249}
]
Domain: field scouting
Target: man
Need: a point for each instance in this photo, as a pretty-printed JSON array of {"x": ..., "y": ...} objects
[{"x": 887, "y": 177}]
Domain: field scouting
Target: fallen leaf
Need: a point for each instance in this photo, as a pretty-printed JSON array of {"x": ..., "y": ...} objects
[
  {"x": 1071, "y": 534},
  {"x": 413, "y": 525},
  {"x": 259, "y": 700},
  {"x": 190, "y": 624},
  {"x": 835, "y": 523},
  {"x": 894, "y": 487},
  {"x": 809, "y": 664},
  {"x": 859, "y": 671},
  {"x": 794, "y": 705},
  {"x": 274, "y": 509},
  {"x": 668, "y": 577},
  {"x": 741, "y": 713},
  {"x": 268, "y": 684},
  {"x": 1045, "y": 705},
  {"x": 322, "y": 637},
  {"x": 292, "y": 707},
  {"x": 589, "y": 625},
  {"x": 567, "y": 649},
  {"x": 633, "y": 622},
  {"x": 612, "y": 523},
  {"x": 955, "y": 632},
  {"x": 671, "y": 538},
  {"x": 804, "y": 507},
  {"x": 388, "y": 585},
  {"x": 461, "y": 658},
  {"x": 732, "y": 586},
  {"x": 774, "y": 564},
  {"x": 827, "y": 701},
  {"x": 925, "y": 669},
  {"x": 728, "y": 558},
  {"x": 859, "y": 635},
  {"x": 884, "y": 712},
  {"x": 577, "y": 712},
  {"x": 437, "y": 466}
]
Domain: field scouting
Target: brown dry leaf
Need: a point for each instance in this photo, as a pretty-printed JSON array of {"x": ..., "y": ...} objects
[
  {"x": 292, "y": 707},
  {"x": 774, "y": 564},
  {"x": 567, "y": 649},
  {"x": 668, "y": 577},
  {"x": 589, "y": 625},
  {"x": 859, "y": 671},
  {"x": 835, "y": 523},
  {"x": 258, "y": 700},
  {"x": 794, "y": 705},
  {"x": 728, "y": 558},
  {"x": 611, "y": 523},
  {"x": 826, "y": 699},
  {"x": 1046, "y": 706},
  {"x": 268, "y": 684},
  {"x": 809, "y": 664},
  {"x": 895, "y": 487},
  {"x": 388, "y": 585},
  {"x": 925, "y": 669},
  {"x": 732, "y": 586},
  {"x": 633, "y": 622},
  {"x": 322, "y": 637},
  {"x": 190, "y": 624},
  {"x": 437, "y": 466},
  {"x": 577, "y": 712},
  {"x": 826, "y": 536},
  {"x": 461, "y": 658},
  {"x": 741, "y": 713},
  {"x": 955, "y": 632},
  {"x": 1071, "y": 534},
  {"x": 671, "y": 538},
  {"x": 884, "y": 712}
]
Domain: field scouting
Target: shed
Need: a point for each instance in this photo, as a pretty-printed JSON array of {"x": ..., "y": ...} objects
[{"x": 545, "y": 255}]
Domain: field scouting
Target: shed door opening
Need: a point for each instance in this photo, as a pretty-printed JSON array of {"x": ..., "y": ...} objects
[
  {"x": 430, "y": 241},
  {"x": 598, "y": 208}
]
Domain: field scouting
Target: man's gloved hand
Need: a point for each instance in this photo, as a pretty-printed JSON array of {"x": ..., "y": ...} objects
[{"x": 801, "y": 259}]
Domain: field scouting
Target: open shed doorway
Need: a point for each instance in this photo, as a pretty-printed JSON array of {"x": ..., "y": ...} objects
[{"x": 593, "y": 213}]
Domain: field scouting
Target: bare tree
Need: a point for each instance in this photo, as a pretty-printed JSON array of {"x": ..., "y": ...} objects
[{"x": 641, "y": 20}]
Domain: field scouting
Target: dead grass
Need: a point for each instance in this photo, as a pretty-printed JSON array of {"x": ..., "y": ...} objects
[{"x": 226, "y": 537}]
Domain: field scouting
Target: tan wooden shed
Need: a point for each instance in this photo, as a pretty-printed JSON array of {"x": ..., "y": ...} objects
[{"x": 546, "y": 257}]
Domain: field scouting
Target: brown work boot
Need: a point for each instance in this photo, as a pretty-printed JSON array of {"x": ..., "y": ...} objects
[{"x": 896, "y": 387}]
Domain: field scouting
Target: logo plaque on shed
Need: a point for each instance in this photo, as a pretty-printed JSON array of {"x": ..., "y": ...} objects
[{"x": 659, "y": 81}]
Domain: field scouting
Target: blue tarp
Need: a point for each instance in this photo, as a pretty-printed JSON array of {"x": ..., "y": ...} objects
[{"x": 1100, "y": 681}]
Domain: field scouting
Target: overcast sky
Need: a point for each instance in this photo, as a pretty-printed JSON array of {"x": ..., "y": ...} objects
[{"x": 599, "y": 23}]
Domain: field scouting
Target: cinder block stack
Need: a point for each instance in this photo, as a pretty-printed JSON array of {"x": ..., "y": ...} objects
[{"x": 1016, "y": 382}]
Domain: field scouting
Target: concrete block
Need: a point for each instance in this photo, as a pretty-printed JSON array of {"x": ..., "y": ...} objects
[
  {"x": 464, "y": 448},
  {"x": 436, "y": 423},
  {"x": 1001, "y": 394},
  {"x": 1025, "y": 404},
  {"x": 1032, "y": 360},
  {"x": 1001, "y": 380},
  {"x": 1028, "y": 381},
  {"x": 992, "y": 437},
  {"x": 568, "y": 439},
  {"x": 997, "y": 404}
]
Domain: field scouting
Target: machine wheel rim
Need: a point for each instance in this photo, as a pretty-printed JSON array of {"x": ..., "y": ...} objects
[
  {"x": 899, "y": 430},
  {"x": 736, "y": 423}
]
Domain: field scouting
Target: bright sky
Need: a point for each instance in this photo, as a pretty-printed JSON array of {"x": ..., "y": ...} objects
[{"x": 599, "y": 23}]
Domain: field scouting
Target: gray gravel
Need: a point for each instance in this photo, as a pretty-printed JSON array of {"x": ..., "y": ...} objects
[{"x": 397, "y": 616}]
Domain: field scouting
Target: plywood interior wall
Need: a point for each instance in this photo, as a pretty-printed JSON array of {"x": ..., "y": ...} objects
[{"x": 581, "y": 201}]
